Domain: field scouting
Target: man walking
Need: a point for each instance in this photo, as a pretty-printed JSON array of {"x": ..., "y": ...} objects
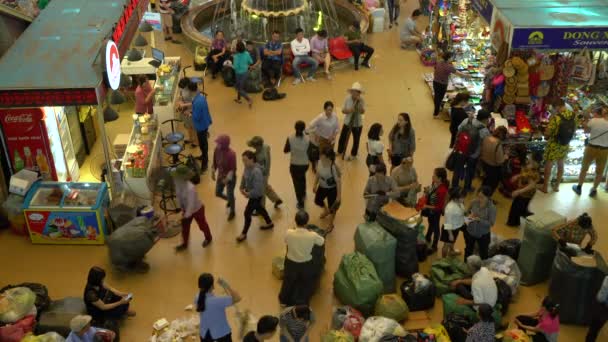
[
  {"x": 201, "y": 118},
  {"x": 252, "y": 187}
]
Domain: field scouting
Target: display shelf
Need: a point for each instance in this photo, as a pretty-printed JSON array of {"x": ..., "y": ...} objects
[{"x": 166, "y": 90}]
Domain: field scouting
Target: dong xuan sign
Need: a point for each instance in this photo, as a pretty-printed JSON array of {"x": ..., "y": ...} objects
[{"x": 560, "y": 38}]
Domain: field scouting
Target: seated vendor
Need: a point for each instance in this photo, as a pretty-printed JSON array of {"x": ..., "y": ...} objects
[
  {"x": 299, "y": 273},
  {"x": 409, "y": 35},
  {"x": 575, "y": 231},
  {"x": 544, "y": 323},
  {"x": 480, "y": 289},
  {"x": 378, "y": 191},
  {"x": 82, "y": 331},
  {"x": 407, "y": 182}
]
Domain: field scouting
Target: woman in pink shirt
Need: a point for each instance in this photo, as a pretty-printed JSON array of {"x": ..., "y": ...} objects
[
  {"x": 144, "y": 96},
  {"x": 545, "y": 322},
  {"x": 191, "y": 206}
]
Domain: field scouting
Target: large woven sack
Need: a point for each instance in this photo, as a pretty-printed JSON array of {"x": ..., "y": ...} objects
[
  {"x": 356, "y": 282},
  {"x": 16, "y": 331},
  {"x": 59, "y": 314},
  {"x": 574, "y": 287},
  {"x": 130, "y": 243},
  {"x": 506, "y": 269},
  {"x": 509, "y": 247},
  {"x": 42, "y": 294},
  {"x": 377, "y": 327},
  {"x": 451, "y": 307},
  {"x": 16, "y": 303},
  {"x": 418, "y": 297},
  {"x": 337, "y": 336},
  {"x": 48, "y": 337},
  {"x": 538, "y": 247},
  {"x": 392, "y": 306},
  {"x": 379, "y": 247},
  {"x": 406, "y": 262},
  {"x": 444, "y": 271}
]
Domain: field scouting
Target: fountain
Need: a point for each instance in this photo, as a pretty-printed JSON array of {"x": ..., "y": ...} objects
[{"x": 257, "y": 19}]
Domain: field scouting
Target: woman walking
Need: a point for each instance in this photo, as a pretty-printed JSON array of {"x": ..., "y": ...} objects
[
  {"x": 435, "y": 195},
  {"x": 214, "y": 325},
  {"x": 454, "y": 222},
  {"x": 224, "y": 165},
  {"x": 328, "y": 186},
  {"x": 297, "y": 146},
  {"x": 402, "y": 140},
  {"x": 458, "y": 114},
  {"x": 242, "y": 63},
  {"x": 375, "y": 148},
  {"x": 191, "y": 206},
  {"x": 482, "y": 216}
]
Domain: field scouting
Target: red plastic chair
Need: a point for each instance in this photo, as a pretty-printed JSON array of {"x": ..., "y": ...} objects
[{"x": 338, "y": 48}]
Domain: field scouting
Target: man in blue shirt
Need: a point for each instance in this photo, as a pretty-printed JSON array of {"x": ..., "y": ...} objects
[
  {"x": 273, "y": 58},
  {"x": 201, "y": 119}
]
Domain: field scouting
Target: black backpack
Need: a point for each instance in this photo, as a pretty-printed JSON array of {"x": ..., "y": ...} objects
[
  {"x": 565, "y": 131},
  {"x": 272, "y": 94},
  {"x": 229, "y": 76}
]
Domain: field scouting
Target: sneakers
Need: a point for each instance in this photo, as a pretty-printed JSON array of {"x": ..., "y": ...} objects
[
  {"x": 311, "y": 79},
  {"x": 366, "y": 65},
  {"x": 267, "y": 226},
  {"x": 181, "y": 248},
  {"x": 297, "y": 81},
  {"x": 278, "y": 203},
  {"x": 577, "y": 188},
  {"x": 206, "y": 243}
]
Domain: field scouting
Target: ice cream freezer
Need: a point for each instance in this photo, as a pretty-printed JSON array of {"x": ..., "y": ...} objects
[{"x": 67, "y": 213}]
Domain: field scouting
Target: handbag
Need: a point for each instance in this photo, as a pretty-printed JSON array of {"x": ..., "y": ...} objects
[
  {"x": 421, "y": 203},
  {"x": 450, "y": 163},
  {"x": 582, "y": 66}
]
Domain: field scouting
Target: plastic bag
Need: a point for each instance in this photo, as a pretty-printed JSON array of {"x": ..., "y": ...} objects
[
  {"x": 444, "y": 271},
  {"x": 43, "y": 301},
  {"x": 421, "y": 282},
  {"x": 130, "y": 243},
  {"x": 338, "y": 336},
  {"x": 379, "y": 247},
  {"x": 441, "y": 335},
  {"x": 391, "y": 306},
  {"x": 506, "y": 269},
  {"x": 246, "y": 322},
  {"x": 348, "y": 319},
  {"x": 186, "y": 326},
  {"x": 356, "y": 282},
  {"x": 515, "y": 335},
  {"x": 377, "y": 327},
  {"x": 16, "y": 303},
  {"x": 278, "y": 267},
  {"x": 48, "y": 337},
  {"x": 419, "y": 293}
]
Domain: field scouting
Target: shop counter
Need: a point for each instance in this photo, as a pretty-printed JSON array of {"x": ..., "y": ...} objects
[
  {"x": 141, "y": 157},
  {"x": 166, "y": 87},
  {"x": 67, "y": 213},
  {"x": 141, "y": 67}
]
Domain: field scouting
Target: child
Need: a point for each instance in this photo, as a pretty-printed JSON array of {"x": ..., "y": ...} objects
[
  {"x": 545, "y": 322},
  {"x": 241, "y": 62},
  {"x": 191, "y": 206}
]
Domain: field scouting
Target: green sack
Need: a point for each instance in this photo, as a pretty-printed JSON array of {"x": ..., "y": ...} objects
[
  {"x": 392, "y": 306},
  {"x": 380, "y": 247},
  {"x": 444, "y": 271},
  {"x": 450, "y": 306},
  {"x": 356, "y": 282},
  {"x": 538, "y": 247},
  {"x": 338, "y": 336}
]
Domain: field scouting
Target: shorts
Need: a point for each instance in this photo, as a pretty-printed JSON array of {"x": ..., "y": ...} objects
[
  {"x": 326, "y": 193},
  {"x": 166, "y": 19},
  {"x": 396, "y": 159},
  {"x": 445, "y": 237},
  {"x": 597, "y": 154}
]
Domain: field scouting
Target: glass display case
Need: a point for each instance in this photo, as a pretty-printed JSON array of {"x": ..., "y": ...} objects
[
  {"x": 67, "y": 213},
  {"x": 165, "y": 97}
]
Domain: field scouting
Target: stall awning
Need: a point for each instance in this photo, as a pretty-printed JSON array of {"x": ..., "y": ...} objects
[{"x": 58, "y": 54}]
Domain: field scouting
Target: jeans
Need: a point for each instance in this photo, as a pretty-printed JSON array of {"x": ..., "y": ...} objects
[
  {"x": 254, "y": 204},
  {"x": 357, "y": 49},
  {"x": 343, "y": 140},
  {"x": 465, "y": 170},
  {"x": 298, "y": 176},
  {"x": 239, "y": 85},
  {"x": 439, "y": 90},
  {"x": 483, "y": 242},
  {"x": 203, "y": 137},
  {"x": 393, "y": 11},
  {"x": 219, "y": 192},
  {"x": 199, "y": 216},
  {"x": 433, "y": 229},
  {"x": 307, "y": 60},
  {"x": 492, "y": 176}
]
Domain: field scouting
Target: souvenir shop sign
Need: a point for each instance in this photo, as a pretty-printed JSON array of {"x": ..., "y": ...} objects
[
  {"x": 560, "y": 38},
  {"x": 484, "y": 8}
]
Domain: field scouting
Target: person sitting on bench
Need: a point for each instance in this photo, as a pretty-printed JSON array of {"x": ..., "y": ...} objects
[
  {"x": 300, "y": 47},
  {"x": 356, "y": 45},
  {"x": 273, "y": 51},
  {"x": 410, "y": 36}
]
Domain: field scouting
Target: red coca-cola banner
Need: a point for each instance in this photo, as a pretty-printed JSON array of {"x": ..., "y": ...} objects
[{"x": 26, "y": 141}]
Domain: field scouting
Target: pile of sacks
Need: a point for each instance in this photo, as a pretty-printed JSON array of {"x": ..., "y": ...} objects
[
  {"x": 178, "y": 330},
  {"x": 17, "y": 313}
]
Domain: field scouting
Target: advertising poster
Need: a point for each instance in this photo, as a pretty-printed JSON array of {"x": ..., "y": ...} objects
[
  {"x": 560, "y": 38},
  {"x": 26, "y": 141},
  {"x": 55, "y": 227},
  {"x": 153, "y": 19}
]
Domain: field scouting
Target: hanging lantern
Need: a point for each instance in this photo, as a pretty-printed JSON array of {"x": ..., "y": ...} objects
[
  {"x": 140, "y": 41},
  {"x": 134, "y": 55},
  {"x": 109, "y": 114},
  {"x": 145, "y": 27},
  {"x": 116, "y": 97}
]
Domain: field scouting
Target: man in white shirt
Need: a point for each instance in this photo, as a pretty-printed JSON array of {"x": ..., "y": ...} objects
[
  {"x": 300, "y": 47},
  {"x": 595, "y": 151},
  {"x": 300, "y": 273},
  {"x": 409, "y": 33},
  {"x": 483, "y": 287}
]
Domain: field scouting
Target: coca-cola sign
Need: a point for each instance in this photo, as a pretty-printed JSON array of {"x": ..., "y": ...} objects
[{"x": 19, "y": 118}]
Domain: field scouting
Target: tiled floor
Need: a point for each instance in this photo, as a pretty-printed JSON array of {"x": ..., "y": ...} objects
[{"x": 392, "y": 86}]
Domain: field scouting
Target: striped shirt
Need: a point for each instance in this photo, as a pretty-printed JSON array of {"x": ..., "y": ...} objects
[
  {"x": 443, "y": 70},
  {"x": 294, "y": 326}
]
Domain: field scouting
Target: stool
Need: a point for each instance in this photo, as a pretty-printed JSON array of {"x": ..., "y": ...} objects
[
  {"x": 174, "y": 150},
  {"x": 174, "y": 137}
]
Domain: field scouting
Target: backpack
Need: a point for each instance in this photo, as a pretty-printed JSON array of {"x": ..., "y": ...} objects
[
  {"x": 229, "y": 76},
  {"x": 565, "y": 131},
  {"x": 272, "y": 94},
  {"x": 468, "y": 138}
]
